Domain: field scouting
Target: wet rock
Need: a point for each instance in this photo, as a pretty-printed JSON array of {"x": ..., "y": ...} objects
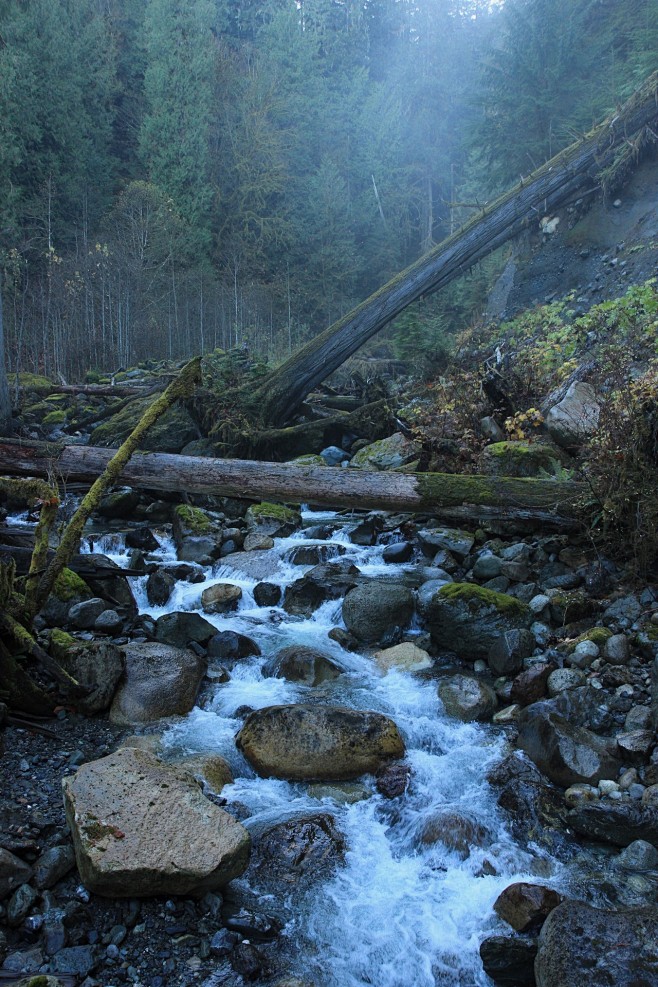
[
  {"x": 526, "y": 906},
  {"x": 386, "y": 454},
  {"x": 249, "y": 962},
  {"x": 160, "y": 680},
  {"x": 404, "y": 656},
  {"x": 638, "y": 856},
  {"x": 305, "y": 743},
  {"x": 509, "y": 960},
  {"x": 53, "y": 865},
  {"x": 454, "y": 831},
  {"x": 197, "y": 534},
  {"x": 298, "y": 852},
  {"x": 20, "y": 904},
  {"x": 531, "y": 685},
  {"x": 575, "y": 418},
  {"x": 141, "y": 828},
  {"x": 575, "y": 947},
  {"x": 451, "y": 540},
  {"x": 508, "y": 652},
  {"x": 373, "y": 610},
  {"x": 314, "y": 554},
  {"x": 273, "y": 520},
  {"x": 393, "y": 779},
  {"x": 616, "y": 650},
  {"x": 470, "y": 619},
  {"x": 328, "y": 581},
  {"x": 230, "y": 646},
  {"x": 366, "y": 532},
  {"x": 209, "y": 769},
  {"x": 142, "y": 538},
  {"x": 267, "y": 594},
  {"x": 224, "y": 942},
  {"x": 82, "y": 616},
  {"x": 114, "y": 589},
  {"x": 109, "y": 622},
  {"x": 618, "y": 822},
  {"x": 565, "y": 753},
  {"x": 400, "y": 551},
  {"x": 297, "y": 663},
  {"x": 221, "y": 598},
  {"x": 98, "y": 666},
  {"x": 13, "y": 872},
  {"x": 159, "y": 587},
  {"x": 467, "y": 698},
  {"x": 119, "y": 504},
  {"x": 257, "y": 542},
  {"x": 179, "y": 628}
]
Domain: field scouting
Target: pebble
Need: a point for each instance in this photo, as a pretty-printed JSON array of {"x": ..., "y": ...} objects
[{"x": 608, "y": 787}]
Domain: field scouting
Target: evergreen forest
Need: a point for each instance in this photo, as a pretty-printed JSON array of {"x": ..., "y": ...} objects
[{"x": 176, "y": 177}]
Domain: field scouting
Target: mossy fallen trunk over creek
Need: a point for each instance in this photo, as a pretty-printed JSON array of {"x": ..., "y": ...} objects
[{"x": 482, "y": 499}]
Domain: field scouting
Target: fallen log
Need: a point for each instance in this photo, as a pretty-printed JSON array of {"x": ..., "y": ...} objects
[
  {"x": 103, "y": 390},
  {"x": 597, "y": 161},
  {"x": 481, "y": 499}
]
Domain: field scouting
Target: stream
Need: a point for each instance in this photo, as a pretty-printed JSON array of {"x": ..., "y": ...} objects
[{"x": 398, "y": 913}]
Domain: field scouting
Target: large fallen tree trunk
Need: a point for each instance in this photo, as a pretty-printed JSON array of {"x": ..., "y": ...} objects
[
  {"x": 453, "y": 497},
  {"x": 584, "y": 167}
]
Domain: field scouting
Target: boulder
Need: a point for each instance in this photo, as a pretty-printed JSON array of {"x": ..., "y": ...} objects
[
  {"x": 508, "y": 652},
  {"x": 160, "y": 680},
  {"x": 267, "y": 594},
  {"x": 454, "y": 831},
  {"x": 387, "y": 454},
  {"x": 526, "y": 906},
  {"x": 297, "y": 853},
  {"x": 174, "y": 429},
  {"x": 452, "y": 540},
  {"x": 274, "y": 520},
  {"x": 580, "y": 944},
  {"x": 141, "y": 828},
  {"x": 181, "y": 627},
  {"x": 230, "y": 646},
  {"x": 82, "y": 616},
  {"x": 210, "y": 769},
  {"x": 197, "y": 535},
  {"x": 119, "y": 504},
  {"x": 297, "y": 663},
  {"x": 13, "y": 872},
  {"x": 374, "y": 610},
  {"x": 565, "y": 753},
  {"x": 159, "y": 587},
  {"x": 221, "y": 598},
  {"x": 575, "y": 418},
  {"x": 530, "y": 685},
  {"x": 327, "y": 581},
  {"x": 314, "y": 554},
  {"x": 97, "y": 665},
  {"x": 406, "y": 657},
  {"x": 509, "y": 960},
  {"x": 323, "y": 743},
  {"x": 516, "y": 458},
  {"x": 467, "y": 698},
  {"x": 470, "y": 619},
  {"x": 618, "y": 822}
]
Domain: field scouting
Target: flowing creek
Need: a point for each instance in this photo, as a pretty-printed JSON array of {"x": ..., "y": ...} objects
[{"x": 398, "y": 913}]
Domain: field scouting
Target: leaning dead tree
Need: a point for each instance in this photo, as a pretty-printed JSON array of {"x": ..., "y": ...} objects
[
  {"x": 596, "y": 162},
  {"x": 451, "y": 497}
]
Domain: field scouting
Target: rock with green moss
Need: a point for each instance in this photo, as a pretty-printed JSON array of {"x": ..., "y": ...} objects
[
  {"x": 521, "y": 459},
  {"x": 97, "y": 665},
  {"x": 597, "y": 635},
  {"x": 174, "y": 429},
  {"x": 568, "y": 606},
  {"x": 310, "y": 459},
  {"x": 197, "y": 535},
  {"x": 391, "y": 453},
  {"x": 274, "y": 520},
  {"x": 68, "y": 590},
  {"x": 470, "y": 619},
  {"x": 53, "y": 418},
  {"x": 34, "y": 382}
]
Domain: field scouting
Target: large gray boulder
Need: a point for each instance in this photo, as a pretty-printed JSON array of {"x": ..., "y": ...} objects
[
  {"x": 318, "y": 743},
  {"x": 576, "y": 417},
  {"x": 565, "y": 753},
  {"x": 580, "y": 945},
  {"x": 374, "y": 610},
  {"x": 470, "y": 619},
  {"x": 141, "y": 827},
  {"x": 160, "y": 680}
]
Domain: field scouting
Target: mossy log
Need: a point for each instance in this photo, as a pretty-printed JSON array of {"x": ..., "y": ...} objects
[
  {"x": 480, "y": 499},
  {"x": 597, "y": 161}
]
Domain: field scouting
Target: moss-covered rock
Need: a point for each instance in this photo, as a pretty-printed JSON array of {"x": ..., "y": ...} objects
[
  {"x": 197, "y": 535},
  {"x": 34, "y": 382},
  {"x": 310, "y": 459},
  {"x": 61, "y": 643},
  {"x": 597, "y": 635},
  {"x": 174, "y": 429},
  {"x": 274, "y": 520},
  {"x": 391, "y": 453},
  {"x": 57, "y": 417},
  {"x": 470, "y": 619},
  {"x": 68, "y": 590},
  {"x": 520, "y": 459}
]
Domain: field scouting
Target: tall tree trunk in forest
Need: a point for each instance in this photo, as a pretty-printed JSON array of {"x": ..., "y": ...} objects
[
  {"x": 597, "y": 161},
  {"x": 5, "y": 400}
]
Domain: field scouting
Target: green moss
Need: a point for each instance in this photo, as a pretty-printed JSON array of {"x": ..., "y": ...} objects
[
  {"x": 276, "y": 511},
  {"x": 56, "y": 399},
  {"x": 34, "y": 382},
  {"x": 193, "y": 519},
  {"x": 478, "y": 596},
  {"x": 61, "y": 643},
  {"x": 597, "y": 635},
  {"x": 453, "y": 490},
  {"x": 520, "y": 458},
  {"x": 308, "y": 460},
  {"x": 69, "y": 585},
  {"x": 54, "y": 418},
  {"x": 37, "y": 982}
]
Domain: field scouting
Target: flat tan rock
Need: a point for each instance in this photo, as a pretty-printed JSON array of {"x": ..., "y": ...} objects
[{"x": 406, "y": 657}]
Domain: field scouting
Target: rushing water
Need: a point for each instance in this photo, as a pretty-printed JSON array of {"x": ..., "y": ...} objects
[{"x": 398, "y": 913}]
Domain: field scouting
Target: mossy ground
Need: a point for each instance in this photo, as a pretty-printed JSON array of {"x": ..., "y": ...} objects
[
  {"x": 277, "y": 511},
  {"x": 478, "y": 596}
]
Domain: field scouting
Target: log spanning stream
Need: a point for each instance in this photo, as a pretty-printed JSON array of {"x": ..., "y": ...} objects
[{"x": 397, "y": 912}]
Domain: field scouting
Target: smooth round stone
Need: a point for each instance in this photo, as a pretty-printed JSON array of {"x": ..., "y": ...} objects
[
  {"x": 487, "y": 567},
  {"x": 608, "y": 787},
  {"x": 638, "y": 856},
  {"x": 577, "y": 794},
  {"x": 539, "y": 603},
  {"x": 564, "y": 678}
]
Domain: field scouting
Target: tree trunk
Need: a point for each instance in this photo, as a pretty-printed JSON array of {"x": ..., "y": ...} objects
[
  {"x": 5, "y": 401},
  {"x": 594, "y": 162},
  {"x": 455, "y": 498}
]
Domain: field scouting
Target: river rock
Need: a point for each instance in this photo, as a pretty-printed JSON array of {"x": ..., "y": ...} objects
[
  {"x": 210, "y": 769},
  {"x": 314, "y": 554},
  {"x": 82, "y": 616},
  {"x": 398, "y": 552},
  {"x": 327, "y": 581},
  {"x": 404, "y": 656},
  {"x": 565, "y": 753},
  {"x": 197, "y": 535},
  {"x": 580, "y": 944},
  {"x": 509, "y": 960},
  {"x": 530, "y": 685},
  {"x": 526, "y": 906},
  {"x": 520, "y": 458},
  {"x": 470, "y": 619},
  {"x": 639, "y": 856},
  {"x": 298, "y": 852},
  {"x": 575, "y": 418},
  {"x": 386, "y": 454},
  {"x": 230, "y": 646},
  {"x": 52, "y": 866},
  {"x": 274, "y": 520},
  {"x": 221, "y": 598},
  {"x": 159, "y": 587},
  {"x": 160, "y": 680},
  {"x": 508, "y": 652},
  {"x": 454, "y": 831},
  {"x": 13, "y": 872},
  {"x": 181, "y": 627},
  {"x": 323, "y": 743},
  {"x": 374, "y": 610},
  {"x": 141, "y": 828},
  {"x": 616, "y": 650},
  {"x": 564, "y": 678},
  {"x": 393, "y": 779},
  {"x": 119, "y": 504},
  {"x": 619, "y": 822},
  {"x": 467, "y": 698},
  {"x": 114, "y": 589},
  {"x": 297, "y": 663},
  {"x": 98, "y": 666},
  {"x": 267, "y": 594}
]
